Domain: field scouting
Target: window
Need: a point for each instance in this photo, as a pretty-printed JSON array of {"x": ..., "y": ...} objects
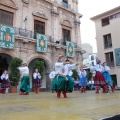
[
  {"x": 110, "y": 59},
  {"x": 105, "y": 21},
  {"x": 6, "y": 18},
  {"x": 65, "y": 3},
  {"x": 92, "y": 57},
  {"x": 39, "y": 27},
  {"x": 107, "y": 41},
  {"x": 66, "y": 35}
]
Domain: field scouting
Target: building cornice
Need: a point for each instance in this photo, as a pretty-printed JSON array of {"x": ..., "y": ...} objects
[{"x": 105, "y": 13}]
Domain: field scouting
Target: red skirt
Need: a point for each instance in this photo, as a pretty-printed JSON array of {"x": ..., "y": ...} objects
[
  {"x": 99, "y": 79},
  {"x": 5, "y": 84},
  {"x": 36, "y": 83}
]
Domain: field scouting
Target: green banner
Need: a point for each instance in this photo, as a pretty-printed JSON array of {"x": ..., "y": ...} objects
[
  {"x": 7, "y": 37},
  {"x": 117, "y": 56},
  {"x": 41, "y": 43},
  {"x": 70, "y": 49}
]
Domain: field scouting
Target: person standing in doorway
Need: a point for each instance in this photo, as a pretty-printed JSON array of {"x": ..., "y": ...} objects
[
  {"x": 36, "y": 81},
  {"x": 25, "y": 81},
  {"x": 4, "y": 81}
]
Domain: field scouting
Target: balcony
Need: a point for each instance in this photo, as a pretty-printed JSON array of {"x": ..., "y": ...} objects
[
  {"x": 66, "y": 5},
  {"x": 28, "y": 34}
]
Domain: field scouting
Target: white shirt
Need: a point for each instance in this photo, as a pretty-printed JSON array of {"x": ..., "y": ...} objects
[
  {"x": 96, "y": 68},
  {"x": 58, "y": 68},
  {"x": 52, "y": 75},
  {"x": 24, "y": 70},
  {"x": 80, "y": 73},
  {"x": 68, "y": 67},
  {"x": 35, "y": 75},
  {"x": 105, "y": 68},
  {"x": 70, "y": 73},
  {"x": 4, "y": 76}
]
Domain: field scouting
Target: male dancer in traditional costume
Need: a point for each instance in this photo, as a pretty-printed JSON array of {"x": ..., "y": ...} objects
[
  {"x": 51, "y": 76},
  {"x": 99, "y": 80},
  {"x": 25, "y": 81},
  {"x": 107, "y": 76},
  {"x": 62, "y": 82}
]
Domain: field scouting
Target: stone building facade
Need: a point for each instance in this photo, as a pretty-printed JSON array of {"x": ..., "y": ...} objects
[{"x": 59, "y": 20}]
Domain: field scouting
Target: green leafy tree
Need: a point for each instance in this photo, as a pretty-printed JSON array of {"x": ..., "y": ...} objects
[
  {"x": 40, "y": 65},
  {"x": 89, "y": 76},
  {"x": 75, "y": 74},
  {"x": 14, "y": 75}
]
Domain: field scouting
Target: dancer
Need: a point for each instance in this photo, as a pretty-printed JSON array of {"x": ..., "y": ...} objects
[
  {"x": 36, "y": 81},
  {"x": 62, "y": 82},
  {"x": 99, "y": 80},
  {"x": 82, "y": 82},
  {"x": 51, "y": 76},
  {"x": 4, "y": 82},
  {"x": 107, "y": 76},
  {"x": 25, "y": 81}
]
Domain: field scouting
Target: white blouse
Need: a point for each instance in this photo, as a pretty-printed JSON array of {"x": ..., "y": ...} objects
[
  {"x": 35, "y": 75},
  {"x": 105, "y": 68},
  {"x": 80, "y": 73},
  {"x": 97, "y": 67},
  {"x": 4, "y": 76},
  {"x": 52, "y": 75}
]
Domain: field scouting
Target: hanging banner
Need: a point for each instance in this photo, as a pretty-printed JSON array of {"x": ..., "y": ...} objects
[
  {"x": 70, "y": 49},
  {"x": 7, "y": 37},
  {"x": 117, "y": 56},
  {"x": 41, "y": 43}
]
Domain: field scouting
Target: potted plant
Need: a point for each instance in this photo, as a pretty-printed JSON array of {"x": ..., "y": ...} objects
[
  {"x": 14, "y": 75},
  {"x": 40, "y": 65},
  {"x": 75, "y": 74}
]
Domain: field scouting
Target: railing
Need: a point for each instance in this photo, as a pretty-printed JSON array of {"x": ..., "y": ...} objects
[
  {"x": 66, "y": 5},
  {"x": 111, "y": 64},
  {"x": 29, "y": 34}
]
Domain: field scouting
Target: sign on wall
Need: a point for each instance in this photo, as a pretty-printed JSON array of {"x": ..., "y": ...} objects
[
  {"x": 70, "y": 49},
  {"x": 7, "y": 37},
  {"x": 117, "y": 56},
  {"x": 41, "y": 43}
]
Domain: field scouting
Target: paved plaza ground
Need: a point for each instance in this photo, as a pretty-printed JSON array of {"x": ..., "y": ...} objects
[{"x": 45, "y": 106}]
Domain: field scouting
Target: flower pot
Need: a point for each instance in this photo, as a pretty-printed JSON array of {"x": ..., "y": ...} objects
[{"x": 13, "y": 89}]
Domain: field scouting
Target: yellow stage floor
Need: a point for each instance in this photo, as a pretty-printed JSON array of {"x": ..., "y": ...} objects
[{"x": 45, "y": 106}]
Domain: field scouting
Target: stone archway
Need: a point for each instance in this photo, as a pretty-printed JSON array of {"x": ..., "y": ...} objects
[
  {"x": 5, "y": 60},
  {"x": 46, "y": 83}
]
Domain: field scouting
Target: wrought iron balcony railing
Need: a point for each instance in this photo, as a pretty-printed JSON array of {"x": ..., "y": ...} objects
[
  {"x": 66, "y": 5},
  {"x": 28, "y": 34}
]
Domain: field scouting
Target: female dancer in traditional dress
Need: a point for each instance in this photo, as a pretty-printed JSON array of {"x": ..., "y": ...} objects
[
  {"x": 62, "y": 82},
  {"x": 99, "y": 80},
  {"x": 107, "y": 76},
  {"x": 82, "y": 82},
  {"x": 4, "y": 81},
  {"x": 25, "y": 81},
  {"x": 36, "y": 81}
]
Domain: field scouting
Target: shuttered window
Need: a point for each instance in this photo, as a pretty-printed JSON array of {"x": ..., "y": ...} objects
[
  {"x": 66, "y": 35},
  {"x": 6, "y": 17},
  {"x": 39, "y": 27}
]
